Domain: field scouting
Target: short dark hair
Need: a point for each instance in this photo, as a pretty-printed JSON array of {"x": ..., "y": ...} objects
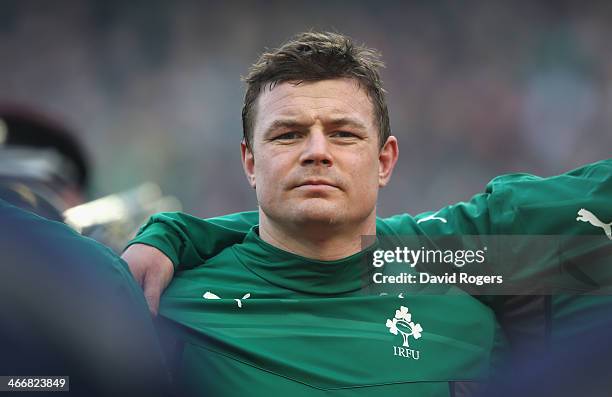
[{"x": 315, "y": 56}]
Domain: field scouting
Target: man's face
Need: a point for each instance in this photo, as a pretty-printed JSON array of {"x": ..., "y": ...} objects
[{"x": 316, "y": 157}]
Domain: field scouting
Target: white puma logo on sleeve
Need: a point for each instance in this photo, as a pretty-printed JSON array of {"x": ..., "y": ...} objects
[
  {"x": 587, "y": 216},
  {"x": 431, "y": 218}
]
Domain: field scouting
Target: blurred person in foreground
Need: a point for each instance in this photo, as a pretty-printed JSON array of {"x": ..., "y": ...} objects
[
  {"x": 70, "y": 306},
  {"x": 282, "y": 298}
]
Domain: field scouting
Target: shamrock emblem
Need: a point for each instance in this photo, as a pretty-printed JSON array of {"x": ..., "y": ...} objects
[{"x": 402, "y": 323}]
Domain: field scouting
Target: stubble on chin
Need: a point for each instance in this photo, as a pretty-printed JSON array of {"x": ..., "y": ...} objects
[{"x": 305, "y": 213}]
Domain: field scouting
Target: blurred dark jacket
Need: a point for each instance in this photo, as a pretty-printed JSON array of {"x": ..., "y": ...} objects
[{"x": 70, "y": 307}]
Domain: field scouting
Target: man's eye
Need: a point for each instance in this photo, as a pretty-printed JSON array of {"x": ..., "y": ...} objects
[
  {"x": 287, "y": 136},
  {"x": 344, "y": 134}
]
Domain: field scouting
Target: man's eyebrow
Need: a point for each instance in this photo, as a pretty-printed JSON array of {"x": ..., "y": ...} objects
[
  {"x": 292, "y": 123},
  {"x": 283, "y": 123},
  {"x": 347, "y": 122}
]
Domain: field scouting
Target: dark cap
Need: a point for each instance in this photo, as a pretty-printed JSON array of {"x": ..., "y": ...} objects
[{"x": 22, "y": 126}]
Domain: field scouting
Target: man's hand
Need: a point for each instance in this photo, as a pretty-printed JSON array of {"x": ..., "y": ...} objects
[{"x": 151, "y": 269}]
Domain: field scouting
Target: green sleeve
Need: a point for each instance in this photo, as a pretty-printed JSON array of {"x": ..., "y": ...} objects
[
  {"x": 577, "y": 207},
  {"x": 188, "y": 240},
  {"x": 530, "y": 205},
  {"x": 556, "y": 229},
  {"x": 573, "y": 209}
]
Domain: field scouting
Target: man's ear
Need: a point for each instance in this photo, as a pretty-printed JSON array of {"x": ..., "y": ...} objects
[
  {"x": 387, "y": 157},
  {"x": 248, "y": 163}
]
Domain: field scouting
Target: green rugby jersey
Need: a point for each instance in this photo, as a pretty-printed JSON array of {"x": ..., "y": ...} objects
[
  {"x": 511, "y": 204},
  {"x": 255, "y": 319}
]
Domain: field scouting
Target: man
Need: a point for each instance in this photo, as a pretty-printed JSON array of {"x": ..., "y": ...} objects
[{"x": 282, "y": 299}]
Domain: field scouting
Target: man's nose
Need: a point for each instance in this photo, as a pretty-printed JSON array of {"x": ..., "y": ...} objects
[{"x": 316, "y": 150}]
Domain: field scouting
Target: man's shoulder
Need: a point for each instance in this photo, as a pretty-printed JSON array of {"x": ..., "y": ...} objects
[
  {"x": 32, "y": 239},
  {"x": 237, "y": 221},
  {"x": 599, "y": 171},
  {"x": 397, "y": 224}
]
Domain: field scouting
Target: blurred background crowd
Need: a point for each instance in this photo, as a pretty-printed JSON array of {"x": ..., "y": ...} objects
[{"x": 475, "y": 89}]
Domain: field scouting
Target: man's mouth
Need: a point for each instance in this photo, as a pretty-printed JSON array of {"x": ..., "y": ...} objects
[
  {"x": 317, "y": 182},
  {"x": 317, "y": 185}
]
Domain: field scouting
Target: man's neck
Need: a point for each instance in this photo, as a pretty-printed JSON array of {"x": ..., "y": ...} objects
[{"x": 321, "y": 242}]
